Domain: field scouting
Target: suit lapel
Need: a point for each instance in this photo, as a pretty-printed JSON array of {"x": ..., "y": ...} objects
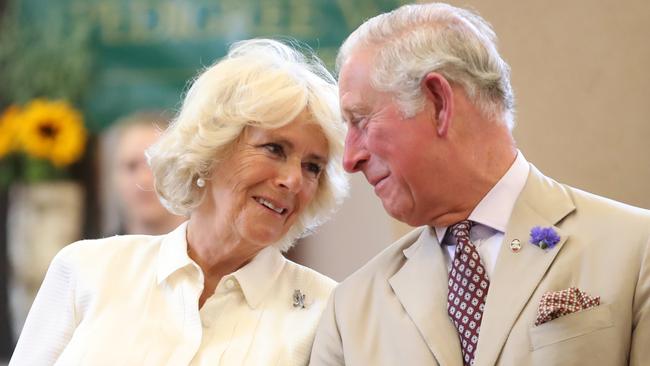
[
  {"x": 421, "y": 287},
  {"x": 542, "y": 202}
]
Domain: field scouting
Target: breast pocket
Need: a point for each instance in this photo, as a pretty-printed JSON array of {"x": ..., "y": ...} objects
[{"x": 570, "y": 326}]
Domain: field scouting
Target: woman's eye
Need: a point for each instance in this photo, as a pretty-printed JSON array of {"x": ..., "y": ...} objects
[
  {"x": 313, "y": 168},
  {"x": 275, "y": 149}
]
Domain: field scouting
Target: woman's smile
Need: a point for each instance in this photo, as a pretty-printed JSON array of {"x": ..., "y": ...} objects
[{"x": 273, "y": 206}]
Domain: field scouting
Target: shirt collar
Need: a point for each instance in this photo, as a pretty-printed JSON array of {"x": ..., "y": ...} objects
[
  {"x": 173, "y": 253},
  {"x": 495, "y": 208},
  {"x": 257, "y": 277}
]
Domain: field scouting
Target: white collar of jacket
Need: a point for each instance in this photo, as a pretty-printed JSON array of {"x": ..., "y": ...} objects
[{"x": 256, "y": 278}]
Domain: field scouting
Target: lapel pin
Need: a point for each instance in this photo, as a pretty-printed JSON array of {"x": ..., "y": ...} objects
[
  {"x": 298, "y": 299},
  {"x": 515, "y": 245}
]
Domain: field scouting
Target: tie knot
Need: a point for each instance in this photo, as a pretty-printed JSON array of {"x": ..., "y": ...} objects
[{"x": 461, "y": 229}]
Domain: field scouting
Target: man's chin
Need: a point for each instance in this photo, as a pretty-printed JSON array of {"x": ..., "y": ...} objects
[{"x": 400, "y": 213}]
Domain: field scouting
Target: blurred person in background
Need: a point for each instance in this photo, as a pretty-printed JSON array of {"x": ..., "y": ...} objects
[
  {"x": 130, "y": 200},
  {"x": 253, "y": 159}
]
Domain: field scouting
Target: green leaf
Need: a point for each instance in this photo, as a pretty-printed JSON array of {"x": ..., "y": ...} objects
[
  {"x": 39, "y": 170},
  {"x": 7, "y": 172}
]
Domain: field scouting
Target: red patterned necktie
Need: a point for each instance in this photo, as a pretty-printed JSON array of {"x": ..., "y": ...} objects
[{"x": 468, "y": 287}]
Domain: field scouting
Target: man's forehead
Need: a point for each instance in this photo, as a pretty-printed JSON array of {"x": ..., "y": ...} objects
[
  {"x": 356, "y": 66},
  {"x": 353, "y": 101},
  {"x": 354, "y": 82}
]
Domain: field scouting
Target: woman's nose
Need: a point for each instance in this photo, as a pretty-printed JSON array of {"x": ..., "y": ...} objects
[{"x": 290, "y": 176}]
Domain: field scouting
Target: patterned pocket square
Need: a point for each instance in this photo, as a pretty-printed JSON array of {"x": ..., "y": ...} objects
[{"x": 559, "y": 303}]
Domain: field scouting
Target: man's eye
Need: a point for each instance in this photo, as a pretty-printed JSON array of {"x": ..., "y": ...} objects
[
  {"x": 313, "y": 168},
  {"x": 358, "y": 122},
  {"x": 275, "y": 149}
]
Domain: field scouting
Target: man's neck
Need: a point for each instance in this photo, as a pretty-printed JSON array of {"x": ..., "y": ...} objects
[{"x": 490, "y": 154}]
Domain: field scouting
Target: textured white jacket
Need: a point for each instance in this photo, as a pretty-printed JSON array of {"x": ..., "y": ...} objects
[{"x": 133, "y": 300}]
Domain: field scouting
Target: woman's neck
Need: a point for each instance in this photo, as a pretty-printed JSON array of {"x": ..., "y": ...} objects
[{"x": 217, "y": 252}]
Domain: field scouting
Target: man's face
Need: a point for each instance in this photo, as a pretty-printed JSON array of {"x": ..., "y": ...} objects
[{"x": 394, "y": 153}]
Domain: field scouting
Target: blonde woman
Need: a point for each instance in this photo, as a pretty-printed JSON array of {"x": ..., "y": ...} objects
[{"x": 253, "y": 159}]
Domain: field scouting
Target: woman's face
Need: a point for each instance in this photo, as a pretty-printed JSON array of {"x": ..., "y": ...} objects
[{"x": 263, "y": 185}]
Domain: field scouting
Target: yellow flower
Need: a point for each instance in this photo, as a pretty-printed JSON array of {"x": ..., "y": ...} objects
[
  {"x": 8, "y": 124},
  {"x": 52, "y": 130}
]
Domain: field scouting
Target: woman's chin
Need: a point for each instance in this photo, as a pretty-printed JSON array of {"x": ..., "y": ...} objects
[{"x": 264, "y": 238}]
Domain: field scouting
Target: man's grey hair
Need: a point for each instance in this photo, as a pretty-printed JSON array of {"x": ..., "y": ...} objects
[{"x": 413, "y": 40}]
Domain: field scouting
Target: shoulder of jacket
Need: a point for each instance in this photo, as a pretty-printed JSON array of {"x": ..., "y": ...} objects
[
  {"x": 305, "y": 277},
  {"x": 89, "y": 249},
  {"x": 383, "y": 265}
]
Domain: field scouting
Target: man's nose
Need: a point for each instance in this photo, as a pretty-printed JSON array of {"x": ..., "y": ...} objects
[{"x": 355, "y": 154}]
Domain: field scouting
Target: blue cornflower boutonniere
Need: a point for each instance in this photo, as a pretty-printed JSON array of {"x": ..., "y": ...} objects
[{"x": 544, "y": 237}]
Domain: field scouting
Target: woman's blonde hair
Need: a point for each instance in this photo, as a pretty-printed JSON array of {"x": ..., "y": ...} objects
[{"x": 260, "y": 82}]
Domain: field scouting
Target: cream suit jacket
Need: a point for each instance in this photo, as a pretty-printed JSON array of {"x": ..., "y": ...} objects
[{"x": 393, "y": 311}]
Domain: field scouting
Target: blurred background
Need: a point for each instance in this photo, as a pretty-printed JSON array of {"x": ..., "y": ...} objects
[{"x": 74, "y": 73}]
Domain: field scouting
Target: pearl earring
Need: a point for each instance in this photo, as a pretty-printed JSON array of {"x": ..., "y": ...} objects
[{"x": 200, "y": 182}]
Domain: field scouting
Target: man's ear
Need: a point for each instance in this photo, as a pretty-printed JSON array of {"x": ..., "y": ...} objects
[{"x": 438, "y": 91}]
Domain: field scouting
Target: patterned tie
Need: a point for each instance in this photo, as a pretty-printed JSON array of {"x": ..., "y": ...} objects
[{"x": 468, "y": 287}]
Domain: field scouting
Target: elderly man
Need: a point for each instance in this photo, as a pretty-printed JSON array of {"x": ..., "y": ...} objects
[{"x": 508, "y": 267}]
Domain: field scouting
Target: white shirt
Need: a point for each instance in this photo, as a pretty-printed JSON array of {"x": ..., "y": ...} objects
[
  {"x": 491, "y": 215},
  {"x": 133, "y": 300}
]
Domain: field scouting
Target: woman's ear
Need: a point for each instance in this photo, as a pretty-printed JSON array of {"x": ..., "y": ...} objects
[{"x": 439, "y": 93}]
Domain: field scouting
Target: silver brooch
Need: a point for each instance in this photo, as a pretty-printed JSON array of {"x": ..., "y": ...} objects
[{"x": 298, "y": 299}]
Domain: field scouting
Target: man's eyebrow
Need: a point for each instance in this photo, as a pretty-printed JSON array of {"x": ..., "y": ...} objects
[
  {"x": 354, "y": 111},
  {"x": 355, "y": 108}
]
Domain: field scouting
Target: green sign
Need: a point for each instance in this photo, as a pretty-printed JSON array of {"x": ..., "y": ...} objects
[{"x": 144, "y": 52}]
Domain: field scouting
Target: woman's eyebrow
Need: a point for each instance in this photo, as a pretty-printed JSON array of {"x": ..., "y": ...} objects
[
  {"x": 317, "y": 158},
  {"x": 312, "y": 156}
]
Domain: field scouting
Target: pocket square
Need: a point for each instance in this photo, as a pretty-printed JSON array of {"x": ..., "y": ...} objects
[{"x": 555, "y": 304}]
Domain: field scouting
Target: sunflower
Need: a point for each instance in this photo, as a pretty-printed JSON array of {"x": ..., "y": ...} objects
[
  {"x": 52, "y": 130},
  {"x": 8, "y": 123}
]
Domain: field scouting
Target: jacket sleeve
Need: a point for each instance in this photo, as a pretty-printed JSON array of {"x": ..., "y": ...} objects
[
  {"x": 51, "y": 319},
  {"x": 639, "y": 350},
  {"x": 328, "y": 348}
]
